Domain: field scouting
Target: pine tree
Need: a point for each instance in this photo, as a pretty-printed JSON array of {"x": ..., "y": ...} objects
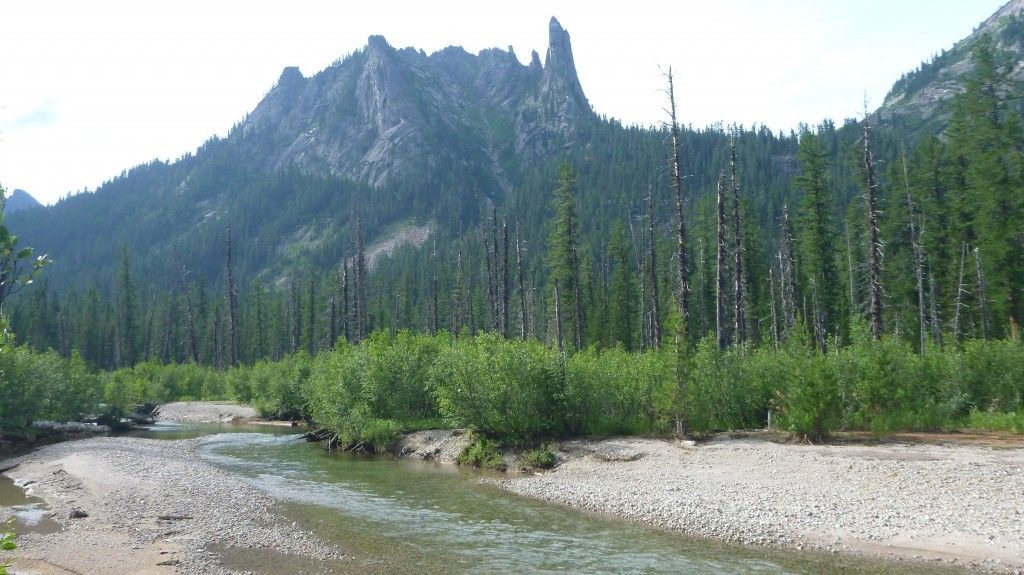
[
  {"x": 817, "y": 233},
  {"x": 623, "y": 289},
  {"x": 562, "y": 254}
]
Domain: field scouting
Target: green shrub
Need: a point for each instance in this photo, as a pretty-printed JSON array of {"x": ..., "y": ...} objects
[
  {"x": 397, "y": 383},
  {"x": 280, "y": 388},
  {"x": 25, "y": 378},
  {"x": 811, "y": 399},
  {"x": 503, "y": 388},
  {"x": 483, "y": 453},
  {"x": 993, "y": 374},
  {"x": 541, "y": 458},
  {"x": 995, "y": 421},
  {"x": 613, "y": 391},
  {"x": 6, "y": 544}
]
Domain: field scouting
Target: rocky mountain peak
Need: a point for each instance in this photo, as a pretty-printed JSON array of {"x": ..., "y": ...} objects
[
  {"x": 20, "y": 200},
  {"x": 560, "y": 68}
]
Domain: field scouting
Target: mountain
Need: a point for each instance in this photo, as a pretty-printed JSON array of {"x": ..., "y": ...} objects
[
  {"x": 420, "y": 146},
  {"x": 412, "y": 138},
  {"x": 20, "y": 200},
  {"x": 919, "y": 101},
  {"x": 378, "y": 116}
]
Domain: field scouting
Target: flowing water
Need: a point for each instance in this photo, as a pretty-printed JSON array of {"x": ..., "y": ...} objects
[
  {"x": 414, "y": 517},
  {"x": 398, "y": 516}
]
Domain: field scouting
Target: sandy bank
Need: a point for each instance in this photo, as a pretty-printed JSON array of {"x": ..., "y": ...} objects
[
  {"x": 955, "y": 504},
  {"x": 153, "y": 507}
]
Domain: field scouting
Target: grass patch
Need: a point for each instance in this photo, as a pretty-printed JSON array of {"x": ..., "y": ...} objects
[
  {"x": 995, "y": 421},
  {"x": 541, "y": 458},
  {"x": 483, "y": 453}
]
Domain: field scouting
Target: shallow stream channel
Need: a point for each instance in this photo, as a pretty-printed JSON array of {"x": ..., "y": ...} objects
[{"x": 399, "y": 516}]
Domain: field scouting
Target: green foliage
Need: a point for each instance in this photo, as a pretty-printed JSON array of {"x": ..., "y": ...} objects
[
  {"x": 811, "y": 400},
  {"x": 483, "y": 453},
  {"x": 993, "y": 375},
  {"x": 612, "y": 391},
  {"x": 728, "y": 389},
  {"x": 541, "y": 458},
  {"x": 6, "y": 544},
  {"x": 995, "y": 421},
  {"x": 511, "y": 389},
  {"x": 279, "y": 388}
]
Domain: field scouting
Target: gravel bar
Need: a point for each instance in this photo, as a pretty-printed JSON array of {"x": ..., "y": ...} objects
[
  {"x": 146, "y": 506},
  {"x": 960, "y": 505}
]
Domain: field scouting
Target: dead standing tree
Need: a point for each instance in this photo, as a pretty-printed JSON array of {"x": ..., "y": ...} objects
[
  {"x": 655, "y": 304},
  {"x": 190, "y": 323},
  {"x": 677, "y": 183},
  {"x": 720, "y": 268},
  {"x": 739, "y": 289},
  {"x": 232, "y": 308},
  {"x": 874, "y": 242}
]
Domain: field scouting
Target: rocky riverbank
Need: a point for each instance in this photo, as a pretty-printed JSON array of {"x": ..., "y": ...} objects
[
  {"x": 207, "y": 412},
  {"x": 150, "y": 507},
  {"x": 958, "y": 505},
  {"x": 144, "y": 506}
]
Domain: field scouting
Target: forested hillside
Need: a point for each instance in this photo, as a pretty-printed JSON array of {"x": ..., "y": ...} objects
[{"x": 505, "y": 166}]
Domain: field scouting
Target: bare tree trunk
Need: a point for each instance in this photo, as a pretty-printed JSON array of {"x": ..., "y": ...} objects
[
  {"x": 644, "y": 332},
  {"x": 434, "y": 323},
  {"x": 311, "y": 318},
  {"x": 918, "y": 250},
  {"x": 787, "y": 271},
  {"x": 960, "y": 291},
  {"x": 775, "y": 319},
  {"x": 150, "y": 319},
  {"x": 720, "y": 271},
  {"x": 457, "y": 296},
  {"x": 334, "y": 322},
  {"x": 65, "y": 344},
  {"x": 849, "y": 267},
  {"x": 934, "y": 312},
  {"x": 701, "y": 302},
  {"x": 491, "y": 263},
  {"x": 218, "y": 361},
  {"x": 193, "y": 339},
  {"x": 523, "y": 329},
  {"x": 558, "y": 317},
  {"x": 874, "y": 242},
  {"x": 655, "y": 304},
  {"x": 982, "y": 294},
  {"x": 504, "y": 278},
  {"x": 295, "y": 308},
  {"x": 677, "y": 181},
  {"x": 345, "y": 311},
  {"x": 739, "y": 289},
  {"x": 232, "y": 309},
  {"x": 359, "y": 270}
]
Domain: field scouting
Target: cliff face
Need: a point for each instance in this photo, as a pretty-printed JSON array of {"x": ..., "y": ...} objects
[
  {"x": 921, "y": 97},
  {"x": 384, "y": 115}
]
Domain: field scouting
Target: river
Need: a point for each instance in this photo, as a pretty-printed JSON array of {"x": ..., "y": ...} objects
[{"x": 400, "y": 516}]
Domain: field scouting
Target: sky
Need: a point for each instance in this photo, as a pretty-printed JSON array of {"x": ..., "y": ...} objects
[{"x": 93, "y": 87}]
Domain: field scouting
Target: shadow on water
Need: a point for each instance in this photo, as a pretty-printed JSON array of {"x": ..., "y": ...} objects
[{"x": 413, "y": 517}]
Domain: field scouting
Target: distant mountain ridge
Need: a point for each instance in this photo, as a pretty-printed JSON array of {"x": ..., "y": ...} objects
[
  {"x": 405, "y": 135},
  {"x": 377, "y": 116},
  {"x": 429, "y": 142},
  {"x": 20, "y": 200}
]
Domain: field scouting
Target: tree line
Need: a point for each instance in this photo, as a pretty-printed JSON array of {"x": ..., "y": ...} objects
[{"x": 929, "y": 255}]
